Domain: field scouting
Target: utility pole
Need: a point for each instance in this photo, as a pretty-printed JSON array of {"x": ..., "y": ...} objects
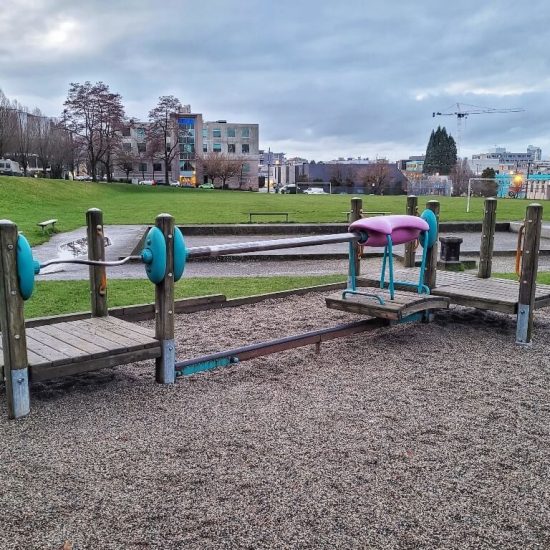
[{"x": 268, "y": 166}]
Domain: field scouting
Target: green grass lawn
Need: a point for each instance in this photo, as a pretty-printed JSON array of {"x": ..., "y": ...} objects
[
  {"x": 27, "y": 201},
  {"x": 542, "y": 278},
  {"x": 56, "y": 297}
]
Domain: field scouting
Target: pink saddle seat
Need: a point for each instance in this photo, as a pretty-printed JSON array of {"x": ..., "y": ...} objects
[{"x": 402, "y": 228}]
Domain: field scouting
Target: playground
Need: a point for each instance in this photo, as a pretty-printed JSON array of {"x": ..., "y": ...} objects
[
  {"x": 408, "y": 425},
  {"x": 425, "y": 435}
]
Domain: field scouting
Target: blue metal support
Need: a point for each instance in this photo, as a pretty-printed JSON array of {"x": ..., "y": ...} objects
[{"x": 352, "y": 277}]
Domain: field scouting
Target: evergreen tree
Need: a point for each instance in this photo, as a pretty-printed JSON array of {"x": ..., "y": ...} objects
[
  {"x": 429, "y": 157},
  {"x": 440, "y": 153}
]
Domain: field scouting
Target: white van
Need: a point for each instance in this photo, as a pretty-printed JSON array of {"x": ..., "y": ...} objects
[{"x": 9, "y": 168}]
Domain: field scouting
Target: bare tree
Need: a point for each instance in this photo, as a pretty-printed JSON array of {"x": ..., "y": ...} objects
[
  {"x": 24, "y": 135},
  {"x": 94, "y": 114},
  {"x": 230, "y": 167},
  {"x": 61, "y": 151},
  {"x": 154, "y": 151},
  {"x": 212, "y": 166},
  {"x": 7, "y": 125},
  {"x": 164, "y": 127},
  {"x": 460, "y": 175},
  {"x": 376, "y": 177},
  {"x": 43, "y": 139},
  {"x": 125, "y": 160},
  {"x": 342, "y": 174}
]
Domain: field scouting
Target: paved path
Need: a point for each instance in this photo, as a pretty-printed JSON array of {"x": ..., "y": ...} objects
[{"x": 124, "y": 238}]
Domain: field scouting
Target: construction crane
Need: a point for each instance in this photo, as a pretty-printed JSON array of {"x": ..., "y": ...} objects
[{"x": 463, "y": 111}]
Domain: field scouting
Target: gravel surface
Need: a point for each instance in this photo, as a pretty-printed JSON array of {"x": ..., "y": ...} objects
[{"x": 417, "y": 436}]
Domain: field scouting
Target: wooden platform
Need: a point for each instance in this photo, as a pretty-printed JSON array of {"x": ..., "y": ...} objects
[
  {"x": 88, "y": 344},
  {"x": 403, "y": 304},
  {"x": 468, "y": 290}
]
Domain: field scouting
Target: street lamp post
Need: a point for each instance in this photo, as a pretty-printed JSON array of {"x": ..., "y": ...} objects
[{"x": 268, "y": 167}]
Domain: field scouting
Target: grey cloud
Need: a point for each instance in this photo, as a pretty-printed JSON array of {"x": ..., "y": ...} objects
[{"x": 314, "y": 74}]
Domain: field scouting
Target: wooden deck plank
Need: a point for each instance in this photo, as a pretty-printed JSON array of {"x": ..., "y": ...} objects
[
  {"x": 32, "y": 357},
  {"x": 39, "y": 373},
  {"x": 126, "y": 329},
  {"x": 468, "y": 290},
  {"x": 93, "y": 350},
  {"x": 402, "y": 306},
  {"x": 83, "y": 333},
  {"x": 78, "y": 346},
  {"x": 123, "y": 341},
  {"x": 57, "y": 343},
  {"x": 131, "y": 326},
  {"x": 48, "y": 353}
]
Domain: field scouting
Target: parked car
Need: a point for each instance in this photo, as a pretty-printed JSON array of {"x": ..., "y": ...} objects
[
  {"x": 206, "y": 186},
  {"x": 315, "y": 191},
  {"x": 175, "y": 184},
  {"x": 147, "y": 182},
  {"x": 290, "y": 188}
]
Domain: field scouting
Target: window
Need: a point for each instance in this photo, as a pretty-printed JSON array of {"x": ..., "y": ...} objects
[
  {"x": 126, "y": 132},
  {"x": 127, "y": 146},
  {"x": 245, "y": 148},
  {"x": 216, "y": 133},
  {"x": 157, "y": 166},
  {"x": 245, "y": 132},
  {"x": 204, "y": 148},
  {"x": 143, "y": 167},
  {"x": 141, "y": 147},
  {"x": 187, "y": 148},
  {"x": 140, "y": 134},
  {"x": 217, "y": 148},
  {"x": 231, "y": 132},
  {"x": 205, "y": 132},
  {"x": 246, "y": 167},
  {"x": 231, "y": 148}
]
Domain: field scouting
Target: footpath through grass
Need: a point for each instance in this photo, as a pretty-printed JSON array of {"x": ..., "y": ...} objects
[
  {"x": 27, "y": 201},
  {"x": 57, "y": 297}
]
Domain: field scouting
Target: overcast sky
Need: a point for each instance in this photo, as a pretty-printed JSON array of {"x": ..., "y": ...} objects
[{"x": 322, "y": 78}]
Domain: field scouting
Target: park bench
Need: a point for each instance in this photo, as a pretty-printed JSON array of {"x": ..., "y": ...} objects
[
  {"x": 250, "y": 214},
  {"x": 365, "y": 214},
  {"x": 45, "y": 224}
]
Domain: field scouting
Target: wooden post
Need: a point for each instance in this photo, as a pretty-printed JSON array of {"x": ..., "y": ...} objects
[
  {"x": 487, "y": 238},
  {"x": 165, "y": 372},
  {"x": 96, "y": 251},
  {"x": 528, "y": 277},
  {"x": 410, "y": 254},
  {"x": 356, "y": 211},
  {"x": 431, "y": 261},
  {"x": 12, "y": 325}
]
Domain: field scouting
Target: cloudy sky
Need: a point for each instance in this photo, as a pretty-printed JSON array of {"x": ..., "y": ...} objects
[{"x": 322, "y": 78}]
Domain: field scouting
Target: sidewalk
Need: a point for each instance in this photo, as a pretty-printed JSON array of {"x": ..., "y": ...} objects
[{"x": 325, "y": 259}]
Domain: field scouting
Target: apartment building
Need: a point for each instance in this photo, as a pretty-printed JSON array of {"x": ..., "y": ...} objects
[
  {"x": 194, "y": 138},
  {"x": 237, "y": 142}
]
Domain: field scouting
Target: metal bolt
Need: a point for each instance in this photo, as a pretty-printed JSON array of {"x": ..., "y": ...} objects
[
  {"x": 169, "y": 236},
  {"x": 170, "y": 311},
  {"x": 17, "y": 336},
  {"x": 10, "y": 246},
  {"x": 13, "y": 292},
  {"x": 169, "y": 274},
  {"x": 169, "y": 348},
  {"x": 20, "y": 380}
]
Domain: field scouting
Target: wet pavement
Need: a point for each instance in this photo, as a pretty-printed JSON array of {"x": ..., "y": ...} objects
[{"x": 124, "y": 238}]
